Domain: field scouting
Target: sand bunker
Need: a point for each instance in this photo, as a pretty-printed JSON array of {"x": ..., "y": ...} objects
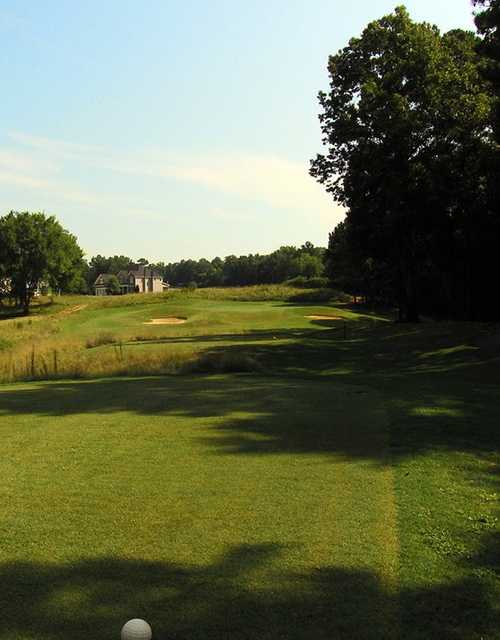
[
  {"x": 323, "y": 317},
  {"x": 169, "y": 320}
]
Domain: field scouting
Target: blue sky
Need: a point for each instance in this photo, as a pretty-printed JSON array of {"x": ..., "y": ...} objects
[{"x": 170, "y": 129}]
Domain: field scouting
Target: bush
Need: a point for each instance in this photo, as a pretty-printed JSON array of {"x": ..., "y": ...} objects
[
  {"x": 307, "y": 283},
  {"x": 320, "y": 295},
  {"x": 317, "y": 283}
]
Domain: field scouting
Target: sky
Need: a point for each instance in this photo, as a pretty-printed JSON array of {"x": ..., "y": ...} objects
[{"x": 172, "y": 129}]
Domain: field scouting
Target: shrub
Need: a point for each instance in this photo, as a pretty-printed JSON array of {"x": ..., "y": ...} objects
[
  {"x": 320, "y": 295},
  {"x": 317, "y": 283},
  {"x": 307, "y": 283}
]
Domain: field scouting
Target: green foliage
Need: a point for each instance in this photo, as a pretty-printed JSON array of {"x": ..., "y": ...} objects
[
  {"x": 304, "y": 282},
  {"x": 488, "y": 25},
  {"x": 113, "y": 285},
  {"x": 36, "y": 250},
  {"x": 283, "y": 264},
  {"x": 406, "y": 124},
  {"x": 100, "y": 264}
]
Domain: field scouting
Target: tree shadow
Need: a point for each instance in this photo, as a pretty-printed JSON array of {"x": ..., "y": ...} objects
[
  {"x": 254, "y": 335},
  {"x": 251, "y": 414},
  {"x": 323, "y": 398},
  {"x": 93, "y": 598},
  {"x": 9, "y": 314},
  {"x": 437, "y": 394},
  {"x": 37, "y": 307},
  {"x": 375, "y": 353}
]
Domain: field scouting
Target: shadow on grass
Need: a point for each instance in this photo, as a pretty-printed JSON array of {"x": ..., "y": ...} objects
[
  {"x": 437, "y": 397},
  {"x": 9, "y": 314},
  {"x": 36, "y": 308},
  {"x": 255, "y": 335},
  {"x": 438, "y": 394},
  {"x": 93, "y": 598},
  {"x": 252, "y": 415},
  {"x": 330, "y": 401}
]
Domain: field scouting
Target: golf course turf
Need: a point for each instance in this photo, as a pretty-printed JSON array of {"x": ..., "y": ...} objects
[{"x": 346, "y": 488}]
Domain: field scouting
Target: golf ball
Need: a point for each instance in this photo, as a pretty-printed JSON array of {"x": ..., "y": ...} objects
[{"x": 136, "y": 629}]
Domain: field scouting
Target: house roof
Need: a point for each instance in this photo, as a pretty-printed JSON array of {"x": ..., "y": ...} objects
[
  {"x": 123, "y": 276},
  {"x": 103, "y": 278},
  {"x": 143, "y": 271},
  {"x": 135, "y": 270}
]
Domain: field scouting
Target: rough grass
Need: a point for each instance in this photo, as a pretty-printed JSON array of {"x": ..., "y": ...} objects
[{"x": 100, "y": 339}]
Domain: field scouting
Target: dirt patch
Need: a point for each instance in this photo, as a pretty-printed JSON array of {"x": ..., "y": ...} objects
[
  {"x": 170, "y": 320},
  {"x": 70, "y": 310},
  {"x": 321, "y": 317}
]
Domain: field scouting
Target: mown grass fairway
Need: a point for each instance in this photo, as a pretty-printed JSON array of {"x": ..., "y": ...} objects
[
  {"x": 249, "y": 534},
  {"x": 344, "y": 489}
]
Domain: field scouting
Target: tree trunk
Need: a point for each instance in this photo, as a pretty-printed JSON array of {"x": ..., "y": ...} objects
[
  {"x": 411, "y": 311},
  {"x": 25, "y": 299}
]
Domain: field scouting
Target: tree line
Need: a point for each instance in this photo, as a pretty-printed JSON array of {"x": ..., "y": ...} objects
[
  {"x": 411, "y": 126},
  {"x": 304, "y": 265}
]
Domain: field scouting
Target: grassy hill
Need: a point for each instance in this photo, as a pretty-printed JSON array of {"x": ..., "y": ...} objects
[{"x": 300, "y": 476}]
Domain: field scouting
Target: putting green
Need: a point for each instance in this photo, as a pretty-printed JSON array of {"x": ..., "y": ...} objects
[{"x": 214, "y": 507}]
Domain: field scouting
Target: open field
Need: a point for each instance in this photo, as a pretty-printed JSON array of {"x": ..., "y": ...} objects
[{"x": 344, "y": 486}]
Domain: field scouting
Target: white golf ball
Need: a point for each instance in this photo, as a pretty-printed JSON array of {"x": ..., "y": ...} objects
[{"x": 136, "y": 629}]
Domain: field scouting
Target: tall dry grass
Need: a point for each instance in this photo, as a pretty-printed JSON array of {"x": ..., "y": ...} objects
[
  {"x": 52, "y": 362},
  {"x": 62, "y": 361}
]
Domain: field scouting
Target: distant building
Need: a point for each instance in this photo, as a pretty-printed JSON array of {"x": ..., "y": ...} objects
[{"x": 136, "y": 279}]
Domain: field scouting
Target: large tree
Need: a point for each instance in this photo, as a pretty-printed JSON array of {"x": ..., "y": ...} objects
[
  {"x": 488, "y": 24},
  {"x": 34, "y": 249},
  {"x": 402, "y": 100}
]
